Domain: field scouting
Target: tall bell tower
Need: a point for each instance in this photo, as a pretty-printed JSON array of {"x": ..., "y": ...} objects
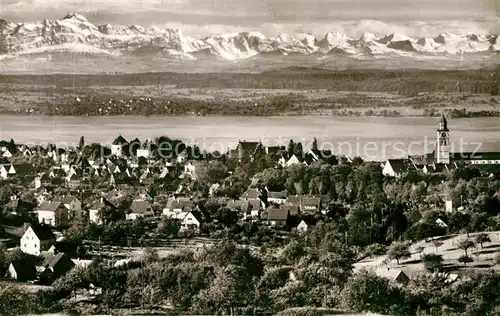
[{"x": 443, "y": 142}]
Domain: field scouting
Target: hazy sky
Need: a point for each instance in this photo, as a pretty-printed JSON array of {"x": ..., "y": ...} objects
[{"x": 266, "y": 15}]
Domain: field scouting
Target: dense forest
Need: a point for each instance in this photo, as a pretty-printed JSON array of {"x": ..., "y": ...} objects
[{"x": 403, "y": 81}]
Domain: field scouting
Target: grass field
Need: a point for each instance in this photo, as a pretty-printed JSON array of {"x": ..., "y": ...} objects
[{"x": 484, "y": 258}]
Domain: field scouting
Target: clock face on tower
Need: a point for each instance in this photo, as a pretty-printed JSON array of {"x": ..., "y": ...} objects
[{"x": 443, "y": 135}]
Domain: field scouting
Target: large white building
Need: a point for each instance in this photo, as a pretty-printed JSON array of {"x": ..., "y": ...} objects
[{"x": 36, "y": 239}]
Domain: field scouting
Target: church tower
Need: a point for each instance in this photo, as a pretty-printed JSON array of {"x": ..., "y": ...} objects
[{"x": 443, "y": 142}]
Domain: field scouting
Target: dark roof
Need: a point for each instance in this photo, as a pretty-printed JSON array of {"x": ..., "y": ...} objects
[
  {"x": 24, "y": 169},
  {"x": 180, "y": 203},
  {"x": 276, "y": 214},
  {"x": 49, "y": 206},
  {"x": 250, "y": 194},
  {"x": 197, "y": 214},
  {"x": 120, "y": 141},
  {"x": 68, "y": 199},
  {"x": 248, "y": 146},
  {"x": 309, "y": 220},
  {"x": 475, "y": 156},
  {"x": 64, "y": 246},
  {"x": 19, "y": 205},
  {"x": 437, "y": 167},
  {"x": 310, "y": 201},
  {"x": 59, "y": 262},
  {"x": 494, "y": 168},
  {"x": 254, "y": 204},
  {"x": 277, "y": 195},
  {"x": 236, "y": 205},
  {"x": 43, "y": 232},
  {"x": 291, "y": 209},
  {"x": 400, "y": 165},
  {"x": 275, "y": 149},
  {"x": 419, "y": 160},
  {"x": 59, "y": 173},
  {"x": 140, "y": 207},
  {"x": 25, "y": 269}
]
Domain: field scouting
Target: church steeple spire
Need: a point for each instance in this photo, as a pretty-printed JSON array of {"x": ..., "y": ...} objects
[
  {"x": 443, "y": 124},
  {"x": 443, "y": 142}
]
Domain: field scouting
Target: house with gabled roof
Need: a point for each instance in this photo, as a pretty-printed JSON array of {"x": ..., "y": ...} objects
[
  {"x": 252, "y": 208},
  {"x": 182, "y": 156},
  {"x": 177, "y": 205},
  {"x": 55, "y": 265},
  {"x": 146, "y": 149},
  {"x": 74, "y": 181},
  {"x": 306, "y": 224},
  {"x": 52, "y": 213},
  {"x": 73, "y": 205},
  {"x": 289, "y": 160},
  {"x": 42, "y": 180},
  {"x": 37, "y": 238},
  {"x": 275, "y": 197},
  {"x": 395, "y": 275},
  {"x": 94, "y": 211},
  {"x": 118, "y": 146},
  {"x": 214, "y": 188},
  {"x": 246, "y": 149},
  {"x": 140, "y": 209},
  {"x": 192, "y": 220},
  {"x": 305, "y": 203},
  {"x": 275, "y": 150},
  {"x": 17, "y": 170},
  {"x": 42, "y": 196},
  {"x": 397, "y": 167},
  {"x": 6, "y": 153},
  {"x": 276, "y": 216},
  {"x": 250, "y": 193},
  {"x": 22, "y": 270},
  {"x": 4, "y": 171},
  {"x": 18, "y": 206},
  {"x": 58, "y": 173}
]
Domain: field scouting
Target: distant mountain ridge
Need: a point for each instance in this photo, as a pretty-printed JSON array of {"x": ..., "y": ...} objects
[{"x": 75, "y": 34}]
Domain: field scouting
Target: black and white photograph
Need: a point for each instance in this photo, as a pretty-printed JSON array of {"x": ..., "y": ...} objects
[{"x": 250, "y": 157}]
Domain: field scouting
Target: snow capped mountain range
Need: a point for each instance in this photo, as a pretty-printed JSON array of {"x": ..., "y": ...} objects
[{"x": 75, "y": 34}]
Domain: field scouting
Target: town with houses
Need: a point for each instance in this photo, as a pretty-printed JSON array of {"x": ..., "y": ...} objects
[{"x": 49, "y": 192}]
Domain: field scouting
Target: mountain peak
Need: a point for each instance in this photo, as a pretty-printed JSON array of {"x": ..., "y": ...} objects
[{"x": 75, "y": 16}]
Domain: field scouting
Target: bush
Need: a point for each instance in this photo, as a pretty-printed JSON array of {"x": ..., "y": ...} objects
[
  {"x": 398, "y": 251},
  {"x": 465, "y": 259},
  {"x": 375, "y": 250},
  {"x": 432, "y": 262}
]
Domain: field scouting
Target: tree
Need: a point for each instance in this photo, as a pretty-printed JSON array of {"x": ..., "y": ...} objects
[
  {"x": 482, "y": 238},
  {"x": 314, "y": 144},
  {"x": 398, "y": 251},
  {"x": 81, "y": 143},
  {"x": 366, "y": 291},
  {"x": 432, "y": 262},
  {"x": 291, "y": 148},
  {"x": 465, "y": 245},
  {"x": 465, "y": 259},
  {"x": 437, "y": 243},
  {"x": 376, "y": 250},
  {"x": 292, "y": 252},
  {"x": 420, "y": 249},
  {"x": 228, "y": 290}
]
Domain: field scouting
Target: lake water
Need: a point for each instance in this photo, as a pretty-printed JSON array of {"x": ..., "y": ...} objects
[{"x": 374, "y": 138}]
